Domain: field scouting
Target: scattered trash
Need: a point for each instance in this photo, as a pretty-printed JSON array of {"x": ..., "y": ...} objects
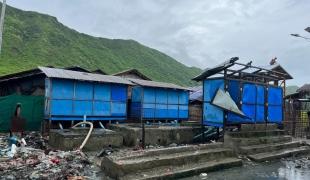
[{"x": 30, "y": 158}]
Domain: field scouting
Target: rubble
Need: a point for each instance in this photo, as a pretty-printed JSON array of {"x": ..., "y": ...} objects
[{"x": 36, "y": 161}]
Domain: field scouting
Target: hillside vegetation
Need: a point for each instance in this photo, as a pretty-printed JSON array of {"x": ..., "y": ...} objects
[{"x": 32, "y": 39}]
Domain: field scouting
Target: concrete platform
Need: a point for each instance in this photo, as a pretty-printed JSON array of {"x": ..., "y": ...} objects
[
  {"x": 169, "y": 163},
  {"x": 69, "y": 139},
  {"x": 279, "y": 154},
  {"x": 156, "y": 135},
  {"x": 255, "y": 149},
  {"x": 258, "y": 127},
  {"x": 263, "y": 142}
]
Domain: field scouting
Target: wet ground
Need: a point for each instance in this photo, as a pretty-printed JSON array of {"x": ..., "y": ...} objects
[{"x": 295, "y": 168}]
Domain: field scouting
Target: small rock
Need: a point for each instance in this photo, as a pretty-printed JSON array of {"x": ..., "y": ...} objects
[
  {"x": 203, "y": 175},
  {"x": 173, "y": 145}
]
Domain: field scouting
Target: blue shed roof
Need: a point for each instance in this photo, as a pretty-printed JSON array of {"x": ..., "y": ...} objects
[{"x": 83, "y": 76}]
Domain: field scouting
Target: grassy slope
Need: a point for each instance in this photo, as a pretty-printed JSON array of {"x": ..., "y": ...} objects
[{"x": 32, "y": 39}]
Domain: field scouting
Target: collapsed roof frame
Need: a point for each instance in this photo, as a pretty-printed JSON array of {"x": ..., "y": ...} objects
[{"x": 258, "y": 75}]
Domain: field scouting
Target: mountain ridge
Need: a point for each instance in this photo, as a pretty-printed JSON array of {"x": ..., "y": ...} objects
[{"x": 32, "y": 39}]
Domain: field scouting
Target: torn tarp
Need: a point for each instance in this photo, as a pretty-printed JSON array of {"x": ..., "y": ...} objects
[{"x": 223, "y": 100}]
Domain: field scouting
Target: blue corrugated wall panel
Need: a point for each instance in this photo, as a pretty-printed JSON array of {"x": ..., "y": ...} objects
[
  {"x": 161, "y": 96},
  {"x": 82, "y": 108},
  {"x": 260, "y": 114},
  {"x": 118, "y": 92},
  {"x": 62, "y": 89},
  {"x": 260, "y": 104},
  {"x": 83, "y": 90},
  {"x": 102, "y": 92},
  {"x": 212, "y": 115},
  {"x": 183, "y": 97},
  {"x": 102, "y": 108},
  {"x": 149, "y": 95},
  {"x": 275, "y": 114},
  {"x": 275, "y": 101},
  {"x": 136, "y": 94},
  {"x": 252, "y": 100},
  {"x": 118, "y": 109},
  {"x": 159, "y": 103},
  {"x": 161, "y": 111},
  {"x": 234, "y": 90},
  {"x": 71, "y": 100},
  {"x": 149, "y": 110},
  {"x": 183, "y": 111},
  {"x": 275, "y": 96},
  {"x": 211, "y": 87},
  {"x": 135, "y": 110},
  {"x": 249, "y": 111},
  {"x": 260, "y": 99},
  {"x": 61, "y": 107},
  {"x": 249, "y": 94},
  {"x": 173, "y": 97},
  {"x": 173, "y": 111}
]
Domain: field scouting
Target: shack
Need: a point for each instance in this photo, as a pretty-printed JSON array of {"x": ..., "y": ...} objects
[
  {"x": 195, "y": 104},
  {"x": 236, "y": 93},
  {"x": 61, "y": 95},
  {"x": 297, "y": 112},
  {"x": 158, "y": 101}
]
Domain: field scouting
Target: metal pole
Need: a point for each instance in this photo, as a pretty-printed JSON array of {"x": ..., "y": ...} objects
[{"x": 2, "y": 22}]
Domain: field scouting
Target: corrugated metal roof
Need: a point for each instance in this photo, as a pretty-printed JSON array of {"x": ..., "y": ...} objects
[
  {"x": 211, "y": 71},
  {"x": 196, "y": 94},
  {"x": 156, "y": 84},
  {"x": 84, "y": 76}
]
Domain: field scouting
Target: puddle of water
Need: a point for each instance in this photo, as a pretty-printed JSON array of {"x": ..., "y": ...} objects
[{"x": 286, "y": 169}]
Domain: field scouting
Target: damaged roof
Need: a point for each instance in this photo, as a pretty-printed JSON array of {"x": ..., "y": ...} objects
[
  {"x": 238, "y": 70},
  {"x": 84, "y": 76},
  {"x": 212, "y": 71},
  {"x": 156, "y": 84}
]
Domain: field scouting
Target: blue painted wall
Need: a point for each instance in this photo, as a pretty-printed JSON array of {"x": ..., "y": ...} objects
[
  {"x": 71, "y": 100},
  {"x": 159, "y": 103},
  {"x": 251, "y": 99}
]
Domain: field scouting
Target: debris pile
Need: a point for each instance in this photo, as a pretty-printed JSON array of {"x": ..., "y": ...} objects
[{"x": 36, "y": 161}]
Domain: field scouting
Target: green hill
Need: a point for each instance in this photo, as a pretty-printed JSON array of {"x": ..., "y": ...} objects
[{"x": 31, "y": 39}]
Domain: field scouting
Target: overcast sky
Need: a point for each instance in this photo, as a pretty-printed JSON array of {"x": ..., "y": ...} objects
[{"x": 198, "y": 33}]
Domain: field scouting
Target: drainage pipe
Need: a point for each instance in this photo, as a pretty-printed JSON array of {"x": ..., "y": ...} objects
[{"x": 88, "y": 135}]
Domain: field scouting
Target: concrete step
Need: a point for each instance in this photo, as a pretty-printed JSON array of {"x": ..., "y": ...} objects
[
  {"x": 260, "y": 140},
  {"x": 254, "y": 149},
  {"x": 248, "y": 134},
  {"x": 123, "y": 163},
  {"x": 172, "y": 150},
  {"x": 134, "y": 164},
  {"x": 176, "y": 172},
  {"x": 258, "y": 127},
  {"x": 266, "y": 156}
]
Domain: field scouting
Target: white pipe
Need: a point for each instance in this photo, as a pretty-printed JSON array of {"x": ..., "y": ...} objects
[
  {"x": 88, "y": 135},
  {"x": 101, "y": 125},
  {"x": 60, "y": 126}
]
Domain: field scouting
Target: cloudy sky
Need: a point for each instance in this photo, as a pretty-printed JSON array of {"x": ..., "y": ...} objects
[{"x": 198, "y": 33}]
